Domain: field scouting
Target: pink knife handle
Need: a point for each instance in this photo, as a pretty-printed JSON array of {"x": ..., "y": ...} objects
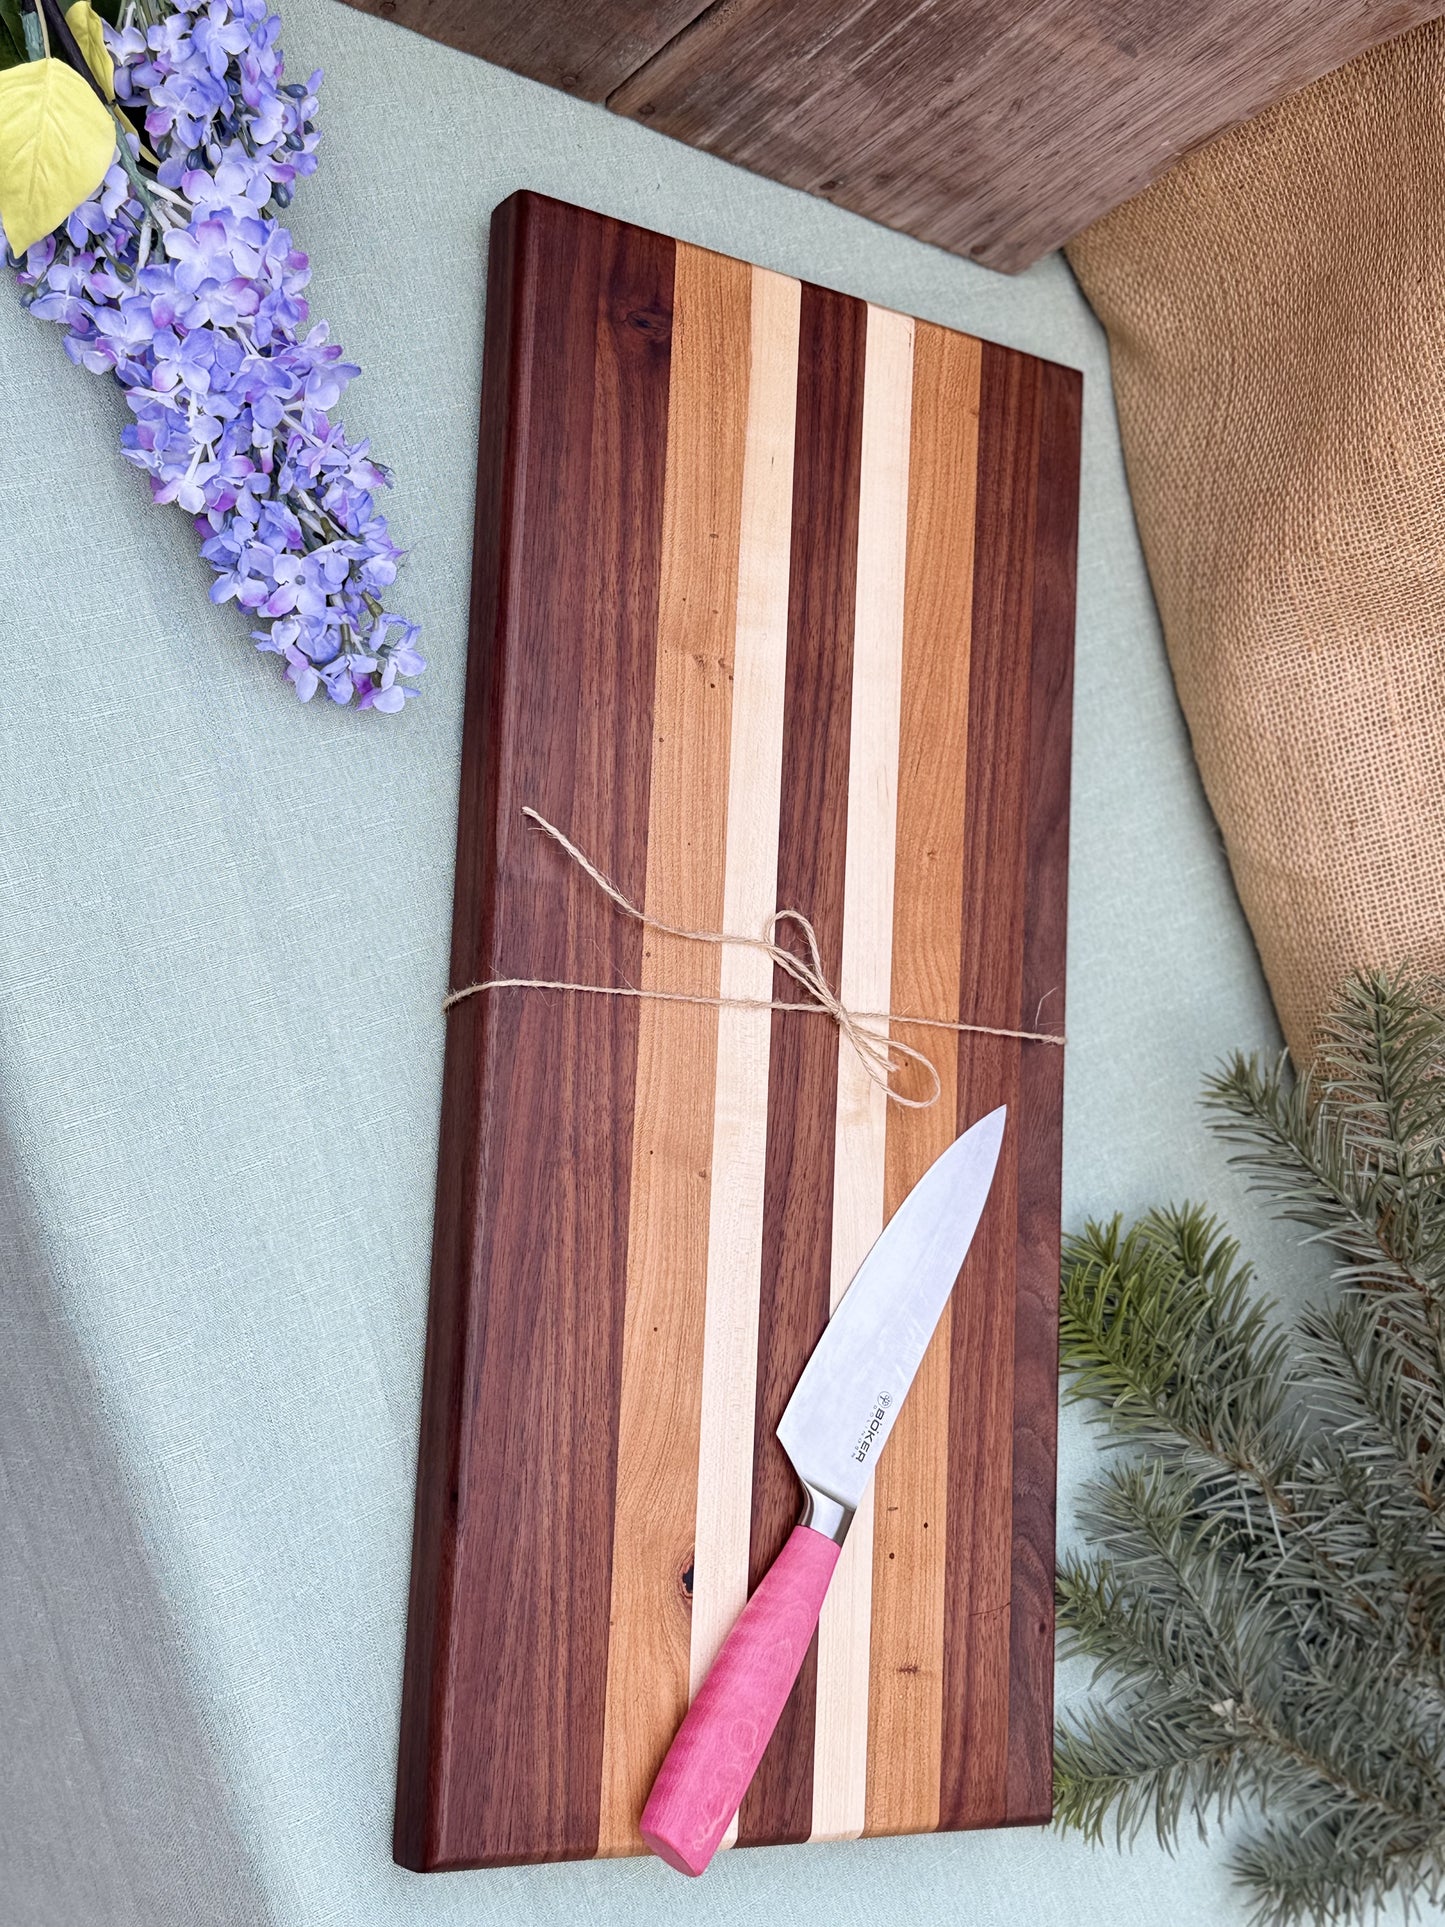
[{"x": 715, "y": 1754}]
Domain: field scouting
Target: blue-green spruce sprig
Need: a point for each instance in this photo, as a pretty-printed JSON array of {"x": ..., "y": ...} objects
[{"x": 1264, "y": 1594}]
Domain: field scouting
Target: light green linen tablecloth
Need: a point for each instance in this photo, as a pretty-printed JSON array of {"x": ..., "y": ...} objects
[{"x": 223, "y": 939}]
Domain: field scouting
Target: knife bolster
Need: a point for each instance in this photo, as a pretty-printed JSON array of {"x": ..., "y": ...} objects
[{"x": 825, "y": 1514}]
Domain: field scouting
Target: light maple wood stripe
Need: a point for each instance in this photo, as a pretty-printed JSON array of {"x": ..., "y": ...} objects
[
  {"x": 905, "y": 1703},
  {"x": 840, "y": 1745},
  {"x": 740, "y": 1095},
  {"x": 657, "y": 1446}
]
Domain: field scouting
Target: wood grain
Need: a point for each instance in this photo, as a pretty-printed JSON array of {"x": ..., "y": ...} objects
[
  {"x": 1029, "y": 1787},
  {"x": 586, "y": 50},
  {"x": 534, "y": 1303},
  {"x": 905, "y": 1702},
  {"x": 772, "y": 599},
  {"x": 421, "y": 1762},
  {"x": 803, "y": 1070},
  {"x": 997, "y": 129},
  {"x": 860, "y": 1125},
  {"x": 740, "y": 1114},
  {"x": 974, "y": 1763},
  {"x": 659, "y": 1413}
]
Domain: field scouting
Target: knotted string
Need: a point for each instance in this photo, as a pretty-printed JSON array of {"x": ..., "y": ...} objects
[{"x": 881, "y": 1055}]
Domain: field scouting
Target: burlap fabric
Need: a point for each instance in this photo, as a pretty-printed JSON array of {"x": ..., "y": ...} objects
[{"x": 1276, "y": 311}]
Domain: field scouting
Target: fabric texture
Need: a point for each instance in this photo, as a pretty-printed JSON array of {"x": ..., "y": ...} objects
[
  {"x": 224, "y": 925},
  {"x": 1274, "y": 311}
]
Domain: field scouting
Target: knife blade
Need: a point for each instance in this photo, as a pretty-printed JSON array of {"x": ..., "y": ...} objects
[{"x": 837, "y": 1422}]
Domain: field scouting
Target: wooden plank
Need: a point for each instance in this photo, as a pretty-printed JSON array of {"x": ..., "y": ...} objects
[
  {"x": 803, "y": 1072},
  {"x": 905, "y": 1703},
  {"x": 657, "y": 1455},
  {"x": 586, "y": 50},
  {"x": 511, "y": 1657},
  {"x": 1029, "y": 1788},
  {"x": 860, "y": 1127},
  {"x": 740, "y": 1115},
  {"x": 973, "y": 1776},
  {"x": 995, "y": 128}
]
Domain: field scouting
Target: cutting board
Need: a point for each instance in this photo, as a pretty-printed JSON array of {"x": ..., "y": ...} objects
[{"x": 772, "y": 608}]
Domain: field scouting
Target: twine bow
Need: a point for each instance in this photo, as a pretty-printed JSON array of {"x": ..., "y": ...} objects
[{"x": 867, "y": 1032}]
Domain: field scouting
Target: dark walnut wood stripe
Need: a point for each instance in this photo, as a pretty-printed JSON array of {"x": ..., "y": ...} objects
[
  {"x": 976, "y": 1633},
  {"x": 1029, "y": 1788},
  {"x": 508, "y": 1654},
  {"x": 803, "y": 1075},
  {"x": 420, "y": 1769}
]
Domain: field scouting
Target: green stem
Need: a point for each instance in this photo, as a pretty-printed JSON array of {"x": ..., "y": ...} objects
[
  {"x": 70, "y": 48},
  {"x": 132, "y": 171},
  {"x": 36, "y": 47}
]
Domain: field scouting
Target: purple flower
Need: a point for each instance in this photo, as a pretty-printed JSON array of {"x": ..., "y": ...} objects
[
  {"x": 183, "y": 359},
  {"x": 228, "y": 383},
  {"x": 201, "y": 252},
  {"x": 68, "y": 309},
  {"x": 89, "y": 218},
  {"x": 126, "y": 45},
  {"x": 127, "y": 329},
  {"x": 216, "y": 36},
  {"x": 241, "y": 185}
]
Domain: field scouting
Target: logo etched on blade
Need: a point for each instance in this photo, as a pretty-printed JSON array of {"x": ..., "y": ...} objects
[{"x": 873, "y": 1428}]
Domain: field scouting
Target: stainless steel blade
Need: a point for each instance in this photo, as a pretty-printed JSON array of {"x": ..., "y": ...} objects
[{"x": 848, "y": 1398}]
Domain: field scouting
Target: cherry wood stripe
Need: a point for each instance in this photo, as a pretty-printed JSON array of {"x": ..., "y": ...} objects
[
  {"x": 1029, "y": 1790},
  {"x": 840, "y": 1745},
  {"x": 905, "y": 1700},
  {"x": 744, "y": 1037},
  {"x": 974, "y": 1754},
  {"x": 531, "y": 1260},
  {"x": 672, "y": 1127},
  {"x": 803, "y": 1075}
]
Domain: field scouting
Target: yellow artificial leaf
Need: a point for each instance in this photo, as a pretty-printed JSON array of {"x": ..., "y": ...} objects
[
  {"x": 56, "y": 142},
  {"x": 84, "y": 22}
]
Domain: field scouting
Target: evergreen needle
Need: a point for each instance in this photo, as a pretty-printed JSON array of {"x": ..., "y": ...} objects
[{"x": 1264, "y": 1594}]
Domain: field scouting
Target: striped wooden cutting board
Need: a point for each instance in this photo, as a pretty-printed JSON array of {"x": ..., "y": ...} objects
[{"x": 773, "y": 608}]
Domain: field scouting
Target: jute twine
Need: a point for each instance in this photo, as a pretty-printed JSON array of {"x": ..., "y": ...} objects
[{"x": 881, "y": 1055}]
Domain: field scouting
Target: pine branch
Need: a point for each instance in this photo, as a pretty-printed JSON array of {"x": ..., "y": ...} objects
[
  {"x": 1295, "y": 1877},
  {"x": 1265, "y": 1600},
  {"x": 1157, "y": 1327},
  {"x": 1143, "y": 1764},
  {"x": 1104, "y": 1618},
  {"x": 1356, "y": 1152},
  {"x": 1381, "y": 1053}
]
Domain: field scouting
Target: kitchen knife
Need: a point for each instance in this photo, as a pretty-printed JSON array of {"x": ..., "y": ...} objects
[{"x": 837, "y": 1422}]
